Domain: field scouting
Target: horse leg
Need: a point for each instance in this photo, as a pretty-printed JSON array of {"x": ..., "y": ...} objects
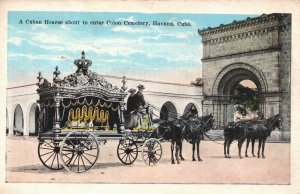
[
  {"x": 225, "y": 146},
  {"x": 263, "y": 148},
  {"x": 253, "y": 142},
  {"x": 176, "y": 153},
  {"x": 193, "y": 150},
  {"x": 181, "y": 157},
  {"x": 172, "y": 149},
  {"x": 259, "y": 146},
  {"x": 240, "y": 144},
  {"x": 228, "y": 148},
  {"x": 248, "y": 140},
  {"x": 198, "y": 150}
]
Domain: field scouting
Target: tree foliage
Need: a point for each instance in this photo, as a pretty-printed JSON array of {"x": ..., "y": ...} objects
[{"x": 245, "y": 99}]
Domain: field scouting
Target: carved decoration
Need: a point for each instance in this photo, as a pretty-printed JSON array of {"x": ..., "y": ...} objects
[
  {"x": 81, "y": 83},
  {"x": 198, "y": 82}
]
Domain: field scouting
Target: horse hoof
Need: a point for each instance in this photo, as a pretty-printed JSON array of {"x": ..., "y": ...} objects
[
  {"x": 178, "y": 162},
  {"x": 254, "y": 155},
  {"x": 194, "y": 159},
  {"x": 228, "y": 156},
  {"x": 258, "y": 156},
  {"x": 200, "y": 160},
  {"x": 241, "y": 157},
  {"x": 173, "y": 162},
  {"x": 182, "y": 158},
  {"x": 263, "y": 156},
  {"x": 246, "y": 156}
]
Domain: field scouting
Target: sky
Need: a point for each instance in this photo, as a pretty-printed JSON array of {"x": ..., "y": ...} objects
[{"x": 161, "y": 53}]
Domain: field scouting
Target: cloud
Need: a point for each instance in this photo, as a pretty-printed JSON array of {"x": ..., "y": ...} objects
[
  {"x": 39, "y": 27},
  {"x": 128, "y": 29},
  {"x": 130, "y": 19},
  {"x": 15, "y": 40},
  {"x": 40, "y": 57},
  {"x": 167, "y": 37}
]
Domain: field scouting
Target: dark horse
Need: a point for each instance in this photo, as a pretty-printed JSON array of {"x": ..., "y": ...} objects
[
  {"x": 252, "y": 129},
  {"x": 191, "y": 129},
  {"x": 170, "y": 131},
  {"x": 262, "y": 136},
  {"x": 194, "y": 129}
]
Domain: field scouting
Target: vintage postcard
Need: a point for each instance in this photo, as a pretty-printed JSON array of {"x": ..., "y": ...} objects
[{"x": 184, "y": 98}]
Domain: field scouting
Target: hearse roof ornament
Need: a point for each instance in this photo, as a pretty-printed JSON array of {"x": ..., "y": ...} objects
[
  {"x": 83, "y": 82},
  {"x": 83, "y": 64}
]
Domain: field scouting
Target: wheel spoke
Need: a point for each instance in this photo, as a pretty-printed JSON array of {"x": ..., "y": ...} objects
[
  {"x": 47, "y": 153},
  {"x": 122, "y": 149},
  {"x": 49, "y": 157},
  {"x": 78, "y": 164},
  {"x": 66, "y": 155},
  {"x": 57, "y": 161},
  {"x": 49, "y": 144},
  {"x": 53, "y": 160},
  {"x": 126, "y": 157},
  {"x": 83, "y": 163},
  {"x": 87, "y": 159},
  {"x": 90, "y": 154},
  {"x": 131, "y": 155},
  {"x": 122, "y": 153},
  {"x": 123, "y": 156},
  {"x": 71, "y": 166},
  {"x": 46, "y": 148}
]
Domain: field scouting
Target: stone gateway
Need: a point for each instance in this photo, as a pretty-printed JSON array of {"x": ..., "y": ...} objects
[{"x": 256, "y": 49}]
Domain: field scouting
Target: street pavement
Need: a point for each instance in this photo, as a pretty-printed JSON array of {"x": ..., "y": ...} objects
[{"x": 23, "y": 165}]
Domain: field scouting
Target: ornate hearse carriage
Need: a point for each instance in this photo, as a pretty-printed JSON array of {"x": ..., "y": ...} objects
[{"x": 81, "y": 111}]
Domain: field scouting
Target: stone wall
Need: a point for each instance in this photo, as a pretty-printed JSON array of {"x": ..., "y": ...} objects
[{"x": 259, "y": 49}]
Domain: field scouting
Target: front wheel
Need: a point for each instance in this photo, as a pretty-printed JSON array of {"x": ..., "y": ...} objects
[
  {"x": 127, "y": 151},
  {"x": 151, "y": 151}
]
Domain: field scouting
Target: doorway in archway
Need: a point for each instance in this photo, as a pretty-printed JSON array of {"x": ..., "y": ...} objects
[
  {"x": 189, "y": 107},
  {"x": 168, "y": 111},
  {"x": 33, "y": 120},
  {"x": 18, "y": 121},
  {"x": 245, "y": 100}
]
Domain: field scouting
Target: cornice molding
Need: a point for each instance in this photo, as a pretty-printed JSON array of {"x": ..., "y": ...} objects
[
  {"x": 235, "y": 25},
  {"x": 249, "y": 53}
]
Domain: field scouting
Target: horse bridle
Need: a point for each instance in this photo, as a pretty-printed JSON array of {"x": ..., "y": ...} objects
[
  {"x": 205, "y": 124},
  {"x": 277, "y": 118}
]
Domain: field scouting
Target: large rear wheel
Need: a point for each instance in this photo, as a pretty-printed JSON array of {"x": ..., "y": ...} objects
[
  {"x": 48, "y": 152},
  {"x": 85, "y": 149}
]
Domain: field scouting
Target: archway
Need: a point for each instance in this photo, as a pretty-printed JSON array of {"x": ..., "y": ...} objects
[
  {"x": 246, "y": 101},
  {"x": 189, "y": 107},
  {"x": 168, "y": 111},
  {"x": 233, "y": 74},
  {"x": 18, "y": 121},
  {"x": 33, "y": 119},
  {"x": 225, "y": 84}
]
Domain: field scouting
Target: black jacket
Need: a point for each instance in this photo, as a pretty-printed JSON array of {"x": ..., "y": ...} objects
[
  {"x": 139, "y": 97},
  {"x": 131, "y": 104}
]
